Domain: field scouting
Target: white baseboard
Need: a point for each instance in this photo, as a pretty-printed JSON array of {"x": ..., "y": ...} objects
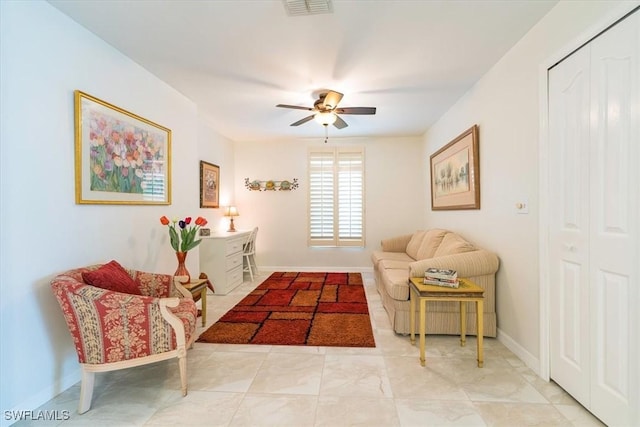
[
  {"x": 529, "y": 359},
  {"x": 270, "y": 268}
]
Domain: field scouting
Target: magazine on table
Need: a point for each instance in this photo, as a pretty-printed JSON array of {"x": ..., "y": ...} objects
[
  {"x": 444, "y": 283},
  {"x": 441, "y": 277},
  {"x": 440, "y": 273}
]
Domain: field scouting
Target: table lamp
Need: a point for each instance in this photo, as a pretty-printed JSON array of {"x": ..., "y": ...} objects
[{"x": 231, "y": 211}]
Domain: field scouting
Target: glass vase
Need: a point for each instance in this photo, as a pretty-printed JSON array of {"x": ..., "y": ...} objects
[{"x": 182, "y": 269}]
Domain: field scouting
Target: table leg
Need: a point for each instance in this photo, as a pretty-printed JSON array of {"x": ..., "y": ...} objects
[
  {"x": 423, "y": 327},
  {"x": 203, "y": 301},
  {"x": 463, "y": 323},
  {"x": 479, "y": 330},
  {"x": 412, "y": 316}
]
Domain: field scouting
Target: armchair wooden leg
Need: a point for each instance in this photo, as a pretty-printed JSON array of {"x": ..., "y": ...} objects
[
  {"x": 86, "y": 390},
  {"x": 182, "y": 363}
]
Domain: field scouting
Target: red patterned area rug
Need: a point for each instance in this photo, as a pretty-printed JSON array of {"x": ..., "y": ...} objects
[{"x": 317, "y": 309}]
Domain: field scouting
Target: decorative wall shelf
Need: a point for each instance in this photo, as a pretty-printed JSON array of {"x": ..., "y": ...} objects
[{"x": 271, "y": 185}]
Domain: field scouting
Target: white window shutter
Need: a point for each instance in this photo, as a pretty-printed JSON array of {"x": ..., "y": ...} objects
[
  {"x": 350, "y": 198},
  {"x": 321, "y": 195},
  {"x": 336, "y": 197}
]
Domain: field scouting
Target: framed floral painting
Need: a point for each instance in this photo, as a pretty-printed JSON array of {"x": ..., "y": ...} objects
[
  {"x": 120, "y": 158},
  {"x": 455, "y": 173},
  {"x": 209, "y": 185}
]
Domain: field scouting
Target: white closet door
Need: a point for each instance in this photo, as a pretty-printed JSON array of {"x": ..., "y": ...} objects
[
  {"x": 615, "y": 217},
  {"x": 569, "y": 84},
  {"x": 594, "y": 235}
]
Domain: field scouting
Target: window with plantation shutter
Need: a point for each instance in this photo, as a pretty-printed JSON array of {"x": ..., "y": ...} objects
[
  {"x": 153, "y": 186},
  {"x": 336, "y": 196}
]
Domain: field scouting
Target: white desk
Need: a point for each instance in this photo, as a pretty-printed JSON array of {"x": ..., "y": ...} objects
[{"x": 221, "y": 259}]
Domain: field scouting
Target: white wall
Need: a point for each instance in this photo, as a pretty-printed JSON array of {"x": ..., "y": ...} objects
[
  {"x": 505, "y": 105},
  {"x": 45, "y": 57},
  {"x": 394, "y": 183},
  {"x": 218, "y": 150}
]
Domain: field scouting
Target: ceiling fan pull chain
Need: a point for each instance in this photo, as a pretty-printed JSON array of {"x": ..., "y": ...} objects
[{"x": 326, "y": 133}]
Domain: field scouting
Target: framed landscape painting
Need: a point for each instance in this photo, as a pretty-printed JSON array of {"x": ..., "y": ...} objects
[
  {"x": 455, "y": 173},
  {"x": 120, "y": 158},
  {"x": 209, "y": 185}
]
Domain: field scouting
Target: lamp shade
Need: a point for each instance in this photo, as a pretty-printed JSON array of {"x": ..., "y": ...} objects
[
  {"x": 231, "y": 211},
  {"x": 326, "y": 118}
]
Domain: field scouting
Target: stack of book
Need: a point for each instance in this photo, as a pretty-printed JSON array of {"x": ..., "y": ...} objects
[{"x": 441, "y": 277}]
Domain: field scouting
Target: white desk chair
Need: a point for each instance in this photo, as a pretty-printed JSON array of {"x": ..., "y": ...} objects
[{"x": 249, "y": 253}]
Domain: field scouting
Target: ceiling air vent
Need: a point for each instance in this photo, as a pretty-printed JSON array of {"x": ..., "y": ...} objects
[{"x": 307, "y": 7}]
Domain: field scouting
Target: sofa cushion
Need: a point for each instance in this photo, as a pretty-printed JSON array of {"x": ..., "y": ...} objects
[
  {"x": 396, "y": 283},
  {"x": 453, "y": 244},
  {"x": 430, "y": 243},
  {"x": 394, "y": 263},
  {"x": 111, "y": 276},
  {"x": 414, "y": 243},
  {"x": 378, "y": 256}
]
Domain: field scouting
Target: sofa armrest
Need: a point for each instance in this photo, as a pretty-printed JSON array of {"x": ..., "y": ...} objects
[
  {"x": 396, "y": 244},
  {"x": 467, "y": 264}
]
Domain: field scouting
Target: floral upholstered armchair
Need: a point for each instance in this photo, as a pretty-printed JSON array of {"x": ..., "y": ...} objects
[{"x": 121, "y": 318}]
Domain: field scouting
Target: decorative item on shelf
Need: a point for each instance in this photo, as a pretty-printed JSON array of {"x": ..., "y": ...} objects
[
  {"x": 231, "y": 211},
  {"x": 205, "y": 232},
  {"x": 184, "y": 240},
  {"x": 271, "y": 185}
]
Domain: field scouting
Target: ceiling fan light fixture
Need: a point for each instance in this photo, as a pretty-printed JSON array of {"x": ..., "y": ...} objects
[
  {"x": 326, "y": 117},
  {"x": 325, "y": 110}
]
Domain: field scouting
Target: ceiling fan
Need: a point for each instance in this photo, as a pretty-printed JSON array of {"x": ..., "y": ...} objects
[{"x": 325, "y": 110}]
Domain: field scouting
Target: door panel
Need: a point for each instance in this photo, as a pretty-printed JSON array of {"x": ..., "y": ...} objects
[
  {"x": 614, "y": 236},
  {"x": 612, "y": 334},
  {"x": 569, "y": 226},
  {"x": 571, "y": 321},
  {"x": 594, "y": 235}
]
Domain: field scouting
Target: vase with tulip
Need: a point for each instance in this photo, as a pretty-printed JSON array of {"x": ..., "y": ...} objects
[{"x": 183, "y": 238}]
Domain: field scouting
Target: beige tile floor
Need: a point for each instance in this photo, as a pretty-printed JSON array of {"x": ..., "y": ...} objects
[{"x": 244, "y": 385}]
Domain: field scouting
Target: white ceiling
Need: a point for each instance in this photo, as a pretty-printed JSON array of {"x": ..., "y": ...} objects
[{"x": 237, "y": 59}]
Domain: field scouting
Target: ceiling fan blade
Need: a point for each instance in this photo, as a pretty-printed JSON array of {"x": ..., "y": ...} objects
[
  {"x": 295, "y": 107},
  {"x": 339, "y": 123},
  {"x": 332, "y": 99},
  {"x": 301, "y": 121},
  {"x": 356, "y": 110}
]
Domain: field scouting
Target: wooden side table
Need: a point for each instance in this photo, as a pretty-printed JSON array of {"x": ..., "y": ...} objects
[
  {"x": 467, "y": 291},
  {"x": 196, "y": 287}
]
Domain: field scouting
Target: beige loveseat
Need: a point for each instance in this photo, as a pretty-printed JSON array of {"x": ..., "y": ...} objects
[{"x": 410, "y": 255}]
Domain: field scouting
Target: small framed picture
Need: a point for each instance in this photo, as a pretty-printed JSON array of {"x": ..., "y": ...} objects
[{"x": 209, "y": 185}]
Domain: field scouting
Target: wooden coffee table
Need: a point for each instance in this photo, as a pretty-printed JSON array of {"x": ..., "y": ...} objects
[{"x": 467, "y": 291}]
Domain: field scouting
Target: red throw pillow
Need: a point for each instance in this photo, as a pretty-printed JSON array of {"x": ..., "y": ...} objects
[{"x": 112, "y": 276}]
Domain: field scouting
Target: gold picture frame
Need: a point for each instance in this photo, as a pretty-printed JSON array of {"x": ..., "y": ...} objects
[
  {"x": 209, "y": 185},
  {"x": 120, "y": 157},
  {"x": 455, "y": 173}
]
